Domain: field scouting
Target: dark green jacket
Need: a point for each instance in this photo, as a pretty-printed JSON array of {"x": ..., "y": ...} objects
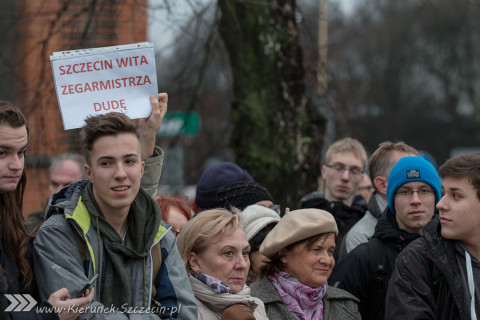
[{"x": 337, "y": 304}]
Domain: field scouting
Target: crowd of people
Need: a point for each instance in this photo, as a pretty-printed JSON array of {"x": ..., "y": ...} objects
[{"x": 390, "y": 236}]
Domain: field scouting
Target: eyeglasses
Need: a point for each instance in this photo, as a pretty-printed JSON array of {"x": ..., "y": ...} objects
[
  {"x": 175, "y": 232},
  {"x": 368, "y": 188},
  {"x": 274, "y": 207},
  {"x": 407, "y": 193},
  {"x": 339, "y": 168}
]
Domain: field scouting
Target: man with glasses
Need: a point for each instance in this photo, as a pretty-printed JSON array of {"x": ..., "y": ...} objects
[
  {"x": 413, "y": 190},
  {"x": 365, "y": 189},
  {"x": 342, "y": 172},
  {"x": 436, "y": 277},
  {"x": 379, "y": 165}
]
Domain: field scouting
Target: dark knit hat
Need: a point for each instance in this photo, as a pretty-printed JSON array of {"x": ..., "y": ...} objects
[
  {"x": 242, "y": 194},
  {"x": 409, "y": 169},
  {"x": 216, "y": 176}
]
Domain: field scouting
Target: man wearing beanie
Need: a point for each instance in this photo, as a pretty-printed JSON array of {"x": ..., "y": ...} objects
[
  {"x": 437, "y": 276},
  {"x": 242, "y": 194},
  {"x": 215, "y": 177},
  {"x": 413, "y": 190},
  {"x": 379, "y": 165}
]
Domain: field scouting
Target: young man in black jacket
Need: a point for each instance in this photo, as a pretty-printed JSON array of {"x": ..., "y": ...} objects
[
  {"x": 437, "y": 276},
  {"x": 345, "y": 163},
  {"x": 413, "y": 190},
  {"x": 379, "y": 165}
]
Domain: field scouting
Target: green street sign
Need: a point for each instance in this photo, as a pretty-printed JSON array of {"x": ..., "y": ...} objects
[{"x": 179, "y": 123}]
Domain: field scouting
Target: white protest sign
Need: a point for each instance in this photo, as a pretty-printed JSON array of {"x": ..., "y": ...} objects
[{"x": 101, "y": 80}]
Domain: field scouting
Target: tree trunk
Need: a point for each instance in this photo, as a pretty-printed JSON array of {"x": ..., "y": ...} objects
[{"x": 274, "y": 122}]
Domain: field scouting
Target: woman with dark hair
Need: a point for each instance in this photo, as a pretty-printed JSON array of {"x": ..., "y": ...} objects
[
  {"x": 257, "y": 222},
  {"x": 15, "y": 245},
  {"x": 294, "y": 283}
]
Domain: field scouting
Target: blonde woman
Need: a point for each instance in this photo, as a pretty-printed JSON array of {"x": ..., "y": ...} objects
[{"x": 215, "y": 252}]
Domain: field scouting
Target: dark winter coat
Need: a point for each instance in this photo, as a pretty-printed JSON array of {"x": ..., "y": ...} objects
[
  {"x": 354, "y": 274},
  {"x": 337, "y": 304},
  {"x": 416, "y": 291},
  {"x": 13, "y": 286},
  {"x": 364, "y": 229}
]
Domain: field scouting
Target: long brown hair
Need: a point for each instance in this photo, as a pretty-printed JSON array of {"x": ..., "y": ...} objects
[{"x": 14, "y": 235}]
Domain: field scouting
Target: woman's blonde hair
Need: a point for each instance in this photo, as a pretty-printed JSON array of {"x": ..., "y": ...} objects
[{"x": 203, "y": 230}]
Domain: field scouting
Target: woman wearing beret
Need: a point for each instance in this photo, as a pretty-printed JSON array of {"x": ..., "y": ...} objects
[
  {"x": 215, "y": 252},
  {"x": 294, "y": 284}
]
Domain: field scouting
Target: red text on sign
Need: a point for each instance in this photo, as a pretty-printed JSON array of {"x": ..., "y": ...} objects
[
  {"x": 109, "y": 105},
  {"x": 85, "y": 67},
  {"x": 105, "y": 85},
  {"x": 131, "y": 61}
]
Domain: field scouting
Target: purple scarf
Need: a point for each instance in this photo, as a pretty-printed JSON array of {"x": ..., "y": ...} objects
[{"x": 304, "y": 302}]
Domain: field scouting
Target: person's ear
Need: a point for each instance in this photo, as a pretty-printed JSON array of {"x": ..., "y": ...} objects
[
  {"x": 381, "y": 183},
  {"x": 283, "y": 256},
  {"x": 88, "y": 171},
  {"x": 323, "y": 169},
  {"x": 143, "y": 167},
  {"x": 193, "y": 260}
]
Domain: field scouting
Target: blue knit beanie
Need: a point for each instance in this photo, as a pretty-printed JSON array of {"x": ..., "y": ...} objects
[
  {"x": 216, "y": 176},
  {"x": 409, "y": 169}
]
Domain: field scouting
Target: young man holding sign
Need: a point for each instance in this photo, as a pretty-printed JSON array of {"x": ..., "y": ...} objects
[{"x": 111, "y": 227}]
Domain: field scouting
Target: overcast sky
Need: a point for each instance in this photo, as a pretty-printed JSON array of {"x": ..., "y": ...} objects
[{"x": 164, "y": 25}]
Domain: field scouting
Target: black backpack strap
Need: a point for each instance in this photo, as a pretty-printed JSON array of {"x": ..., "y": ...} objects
[{"x": 379, "y": 275}]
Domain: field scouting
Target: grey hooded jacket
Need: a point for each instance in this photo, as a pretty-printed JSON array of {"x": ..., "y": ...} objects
[{"x": 58, "y": 262}]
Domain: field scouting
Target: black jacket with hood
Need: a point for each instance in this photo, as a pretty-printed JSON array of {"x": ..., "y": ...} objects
[
  {"x": 354, "y": 274},
  {"x": 427, "y": 283},
  {"x": 11, "y": 284}
]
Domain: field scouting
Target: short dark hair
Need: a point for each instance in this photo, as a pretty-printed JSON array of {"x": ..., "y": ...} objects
[
  {"x": 463, "y": 166},
  {"x": 276, "y": 263},
  {"x": 109, "y": 124},
  {"x": 257, "y": 240},
  {"x": 255, "y": 244}
]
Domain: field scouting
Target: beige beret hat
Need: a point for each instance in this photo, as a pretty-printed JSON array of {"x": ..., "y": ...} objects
[{"x": 295, "y": 226}]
